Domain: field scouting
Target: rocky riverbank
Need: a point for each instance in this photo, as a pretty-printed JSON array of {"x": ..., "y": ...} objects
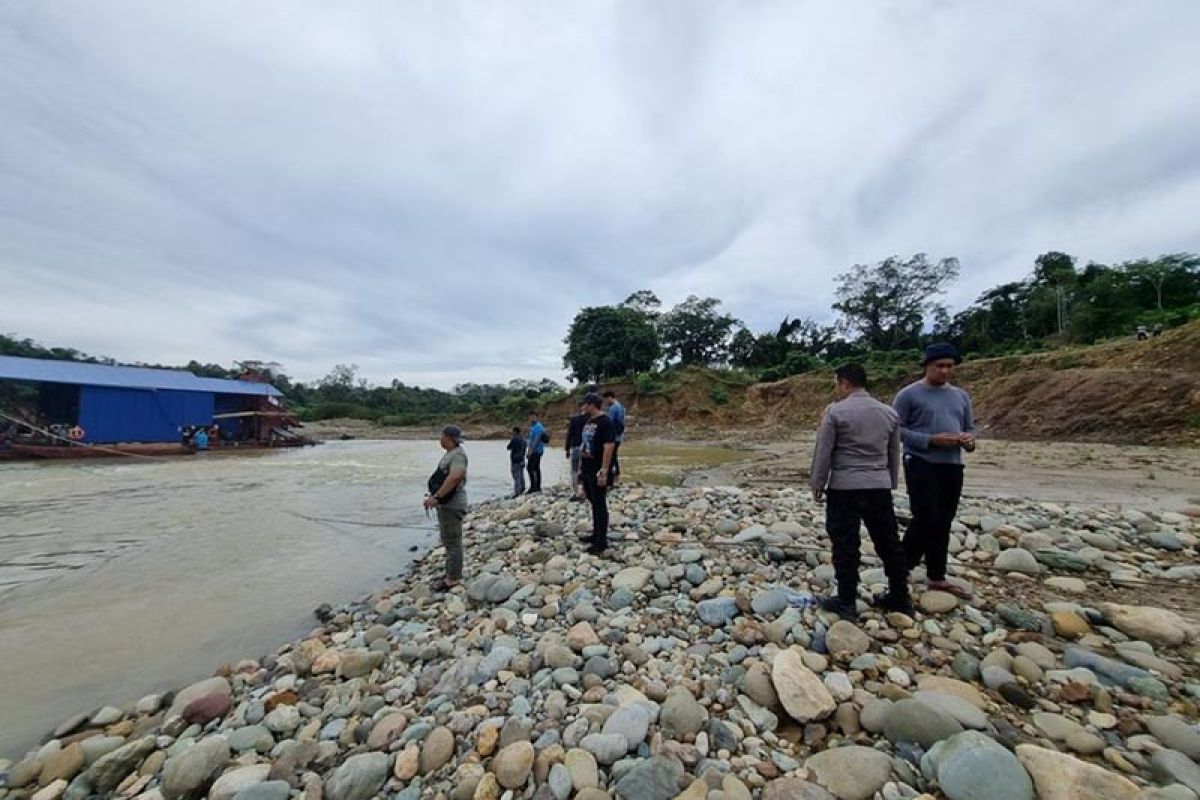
[{"x": 691, "y": 663}]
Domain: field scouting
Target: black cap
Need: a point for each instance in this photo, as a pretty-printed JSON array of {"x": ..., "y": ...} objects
[
  {"x": 593, "y": 399},
  {"x": 940, "y": 350}
]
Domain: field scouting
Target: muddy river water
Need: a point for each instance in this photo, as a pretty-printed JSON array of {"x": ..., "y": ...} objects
[{"x": 125, "y": 577}]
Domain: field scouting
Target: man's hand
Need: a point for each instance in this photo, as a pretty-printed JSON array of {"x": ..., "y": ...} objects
[
  {"x": 967, "y": 442},
  {"x": 430, "y": 502},
  {"x": 946, "y": 440},
  {"x": 818, "y": 495},
  {"x": 602, "y": 478}
]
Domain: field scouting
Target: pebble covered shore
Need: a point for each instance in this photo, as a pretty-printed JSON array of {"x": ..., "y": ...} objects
[{"x": 689, "y": 664}]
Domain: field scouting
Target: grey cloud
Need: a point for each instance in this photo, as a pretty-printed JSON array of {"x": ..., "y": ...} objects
[{"x": 432, "y": 190}]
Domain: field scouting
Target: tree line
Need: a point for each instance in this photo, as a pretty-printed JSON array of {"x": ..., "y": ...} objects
[{"x": 885, "y": 313}]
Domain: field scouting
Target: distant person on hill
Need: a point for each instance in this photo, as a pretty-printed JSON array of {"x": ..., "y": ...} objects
[
  {"x": 574, "y": 440},
  {"x": 595, "y": 458},
  {"x": 1142, "y": 333},
  {"x": 516, "y": 455},
  {"x": 936, "y": 426},
  {"x": 616, "y": 412},
  {"x": 537, "y": 446},
  {"x": 855, "y": 467},
  {"x": 1156, "y": 331},
  {"x": 448, "y": 494}
]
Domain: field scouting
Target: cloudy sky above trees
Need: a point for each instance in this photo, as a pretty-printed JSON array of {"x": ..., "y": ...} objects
[{"x": 432, "y": 190}]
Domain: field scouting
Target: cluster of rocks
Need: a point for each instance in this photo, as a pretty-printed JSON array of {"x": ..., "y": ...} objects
[{"x": 692, "y": 663}]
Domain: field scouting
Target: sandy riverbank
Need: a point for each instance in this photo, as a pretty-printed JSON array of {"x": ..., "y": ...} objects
[{"x": 678, "y": 665}]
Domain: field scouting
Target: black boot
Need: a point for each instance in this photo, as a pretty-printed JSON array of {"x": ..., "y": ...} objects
[
  {"x": 896, "y": 601},
  {"x": 846, "y": 609}
]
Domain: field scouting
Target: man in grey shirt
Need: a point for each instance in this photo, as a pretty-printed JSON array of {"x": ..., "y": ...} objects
[
  {"x": 856, "y": 464},
  {"x": 936, "y": 425}
]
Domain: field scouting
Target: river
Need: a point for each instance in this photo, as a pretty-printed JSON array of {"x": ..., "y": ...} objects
[{"x": 125, "y": 577}]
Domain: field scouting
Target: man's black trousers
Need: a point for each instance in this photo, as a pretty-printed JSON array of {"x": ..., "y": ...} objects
[
  {"x": 534, "y": 465},
  {"x": 598, "y": 497},
  {"x": 845, "y": 511},
  {"x": 933, "y": 494}
]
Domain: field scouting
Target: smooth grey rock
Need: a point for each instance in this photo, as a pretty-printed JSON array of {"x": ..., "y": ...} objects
[
  {"x": 972, "y": 766},
  {"x": 655, "y": 778},
  {"x": 358, "y": 778},
  {"x": 717, "y": 611},
  {"x": 189, "y": 774},
  {"x": 913, "y": 721}
]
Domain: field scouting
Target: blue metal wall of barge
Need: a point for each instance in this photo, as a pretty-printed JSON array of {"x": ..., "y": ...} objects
[{"x": 110, "y": 414}]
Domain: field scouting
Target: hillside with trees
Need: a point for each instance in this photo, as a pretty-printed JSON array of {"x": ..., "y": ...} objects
[{"x": 697, "y": 364}]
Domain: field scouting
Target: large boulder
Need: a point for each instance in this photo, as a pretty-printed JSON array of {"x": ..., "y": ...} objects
[
  {"x": 851, "y": 773},
  {"x": 190, "y": 773},
  {"x": 803, "y": 695},
  {"x": 972, "y": 766},
  {"x": 1058, "y": 776},
  {"x": 1155, "y": 625},
  {"x": 202, "y": 698}
]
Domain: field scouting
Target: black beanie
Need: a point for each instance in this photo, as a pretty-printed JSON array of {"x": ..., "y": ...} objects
[{"x": 940, "y": 350}]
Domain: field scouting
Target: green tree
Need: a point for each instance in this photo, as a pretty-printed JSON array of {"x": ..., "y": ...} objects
[
  {"x": 606, "y": 341},
  {"x": 1177, "y": 274},
  {"x": 886, "y": 304},
  {"x": 694, "y": 333}
]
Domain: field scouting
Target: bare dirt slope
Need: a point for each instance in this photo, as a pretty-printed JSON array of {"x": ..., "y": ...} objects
[{"x": 1123, "y": 391}]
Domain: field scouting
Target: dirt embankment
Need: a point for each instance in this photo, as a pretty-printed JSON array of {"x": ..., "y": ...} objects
[
  {"x": 1126, "y": 392},
  {"x": 1122, "y": 392}
]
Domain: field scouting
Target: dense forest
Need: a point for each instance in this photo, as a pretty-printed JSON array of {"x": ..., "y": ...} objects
[{"x": 885, "y": 313}]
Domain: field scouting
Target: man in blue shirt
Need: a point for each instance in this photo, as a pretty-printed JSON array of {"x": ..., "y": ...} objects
[
  {"x": 616, "y": 413},
  {"x": 936, "y": 426},
  {"x": 200, "y": 439},
  {"x": 537, "y": 446}
]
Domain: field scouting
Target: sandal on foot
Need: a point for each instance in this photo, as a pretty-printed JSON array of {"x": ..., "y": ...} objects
[{"x": 952, "y": 588}]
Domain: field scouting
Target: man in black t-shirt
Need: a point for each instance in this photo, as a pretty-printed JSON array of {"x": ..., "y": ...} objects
[{"x": 598, "y": 440}]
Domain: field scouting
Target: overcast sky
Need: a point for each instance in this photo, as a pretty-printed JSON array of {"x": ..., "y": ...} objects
[{"x": 432, "y": 190}]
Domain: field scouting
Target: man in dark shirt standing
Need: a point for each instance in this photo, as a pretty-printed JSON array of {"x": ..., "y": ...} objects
[
  {"x": 516, "y": 454},
  {"x": 937, "y": 427},
  {"x": 574, "y": 440},
  {"x": 595, "y": 458}
]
